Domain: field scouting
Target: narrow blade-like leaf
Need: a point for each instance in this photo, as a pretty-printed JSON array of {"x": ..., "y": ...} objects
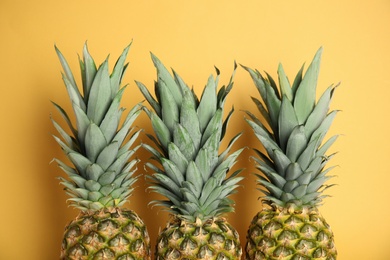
[
  {"x": 208, "y": 104},
  {"x": 306, "y": 93},
  {"x": 100, "y": 95},
  {"x": 284, "y": 84}
]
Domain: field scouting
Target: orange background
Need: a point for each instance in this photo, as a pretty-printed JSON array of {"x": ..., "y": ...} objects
[{"x": 192, "y": 37}]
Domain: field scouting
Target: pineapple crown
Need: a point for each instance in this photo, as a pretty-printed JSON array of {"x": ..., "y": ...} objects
[
  {"x": 294, "y": 162},
  {"x": 190, "y": 172},
  {"x": 98, "y": 147}
]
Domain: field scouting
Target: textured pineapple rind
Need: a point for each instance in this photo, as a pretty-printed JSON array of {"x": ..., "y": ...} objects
[
  {"x": 211, "y": 239},
  {"x": 287, "y": 233},
  {"x": 110, "y": 233}
]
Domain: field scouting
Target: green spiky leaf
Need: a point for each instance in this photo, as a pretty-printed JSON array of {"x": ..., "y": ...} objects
[
  {"x": 100, "y": 95},
  {"x": 164, "y": 76},
  {"x": 208, "y": 104},
  {"x": 296, "y": 143},
  {"x": 306, "y": 92},
  {"x": 169, "y": 108},
  {"x": 284, "y": 84},
  {"x": 184, "y": 142},
  {"x": 88, "y": 68},
  {"x": 95, "y": 142},
  {"x": 118, "y": 71},
  {"x": 287, "y": 122},
  {"x": 108, "y": 155}
]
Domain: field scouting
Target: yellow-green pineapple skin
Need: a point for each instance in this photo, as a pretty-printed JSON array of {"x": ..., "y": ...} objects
[
  {"x": 288, "y": 234},
  {"x": 212, "y": 239},
  {"x": 106, "y": 234}
]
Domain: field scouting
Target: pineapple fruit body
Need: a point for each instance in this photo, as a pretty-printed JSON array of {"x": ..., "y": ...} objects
[
  {"x": 101, "y": 172},
  {"x": 189, "y": 170},
  {"x": 211, "y": 239},
  {"x": 293, "y": 167},
  {"x": 110, "y": 233},
  {"x": 288, "y": 233}
]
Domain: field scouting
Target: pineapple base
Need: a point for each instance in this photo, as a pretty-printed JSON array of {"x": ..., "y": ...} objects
[
  {"x": 211, "y": 239},
  {"x": 288, "y": 234},
  {"x": 106, "y": 234}
]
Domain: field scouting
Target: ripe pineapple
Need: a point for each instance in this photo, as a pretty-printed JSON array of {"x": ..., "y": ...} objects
[
  {"x": 189, "y": 171},
  {"x": 101, "y": 178},
  {"x": 290, "y": 225}
]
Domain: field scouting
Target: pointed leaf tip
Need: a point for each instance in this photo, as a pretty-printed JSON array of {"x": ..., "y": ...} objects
[{"x": 306, "y": 91}]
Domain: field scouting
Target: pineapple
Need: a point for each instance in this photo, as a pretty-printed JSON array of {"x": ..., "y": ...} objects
[
  {"x": 290, "y": 225},
  {"x": 189, "y": 172},
  {"x": 101, "y": 176}
]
